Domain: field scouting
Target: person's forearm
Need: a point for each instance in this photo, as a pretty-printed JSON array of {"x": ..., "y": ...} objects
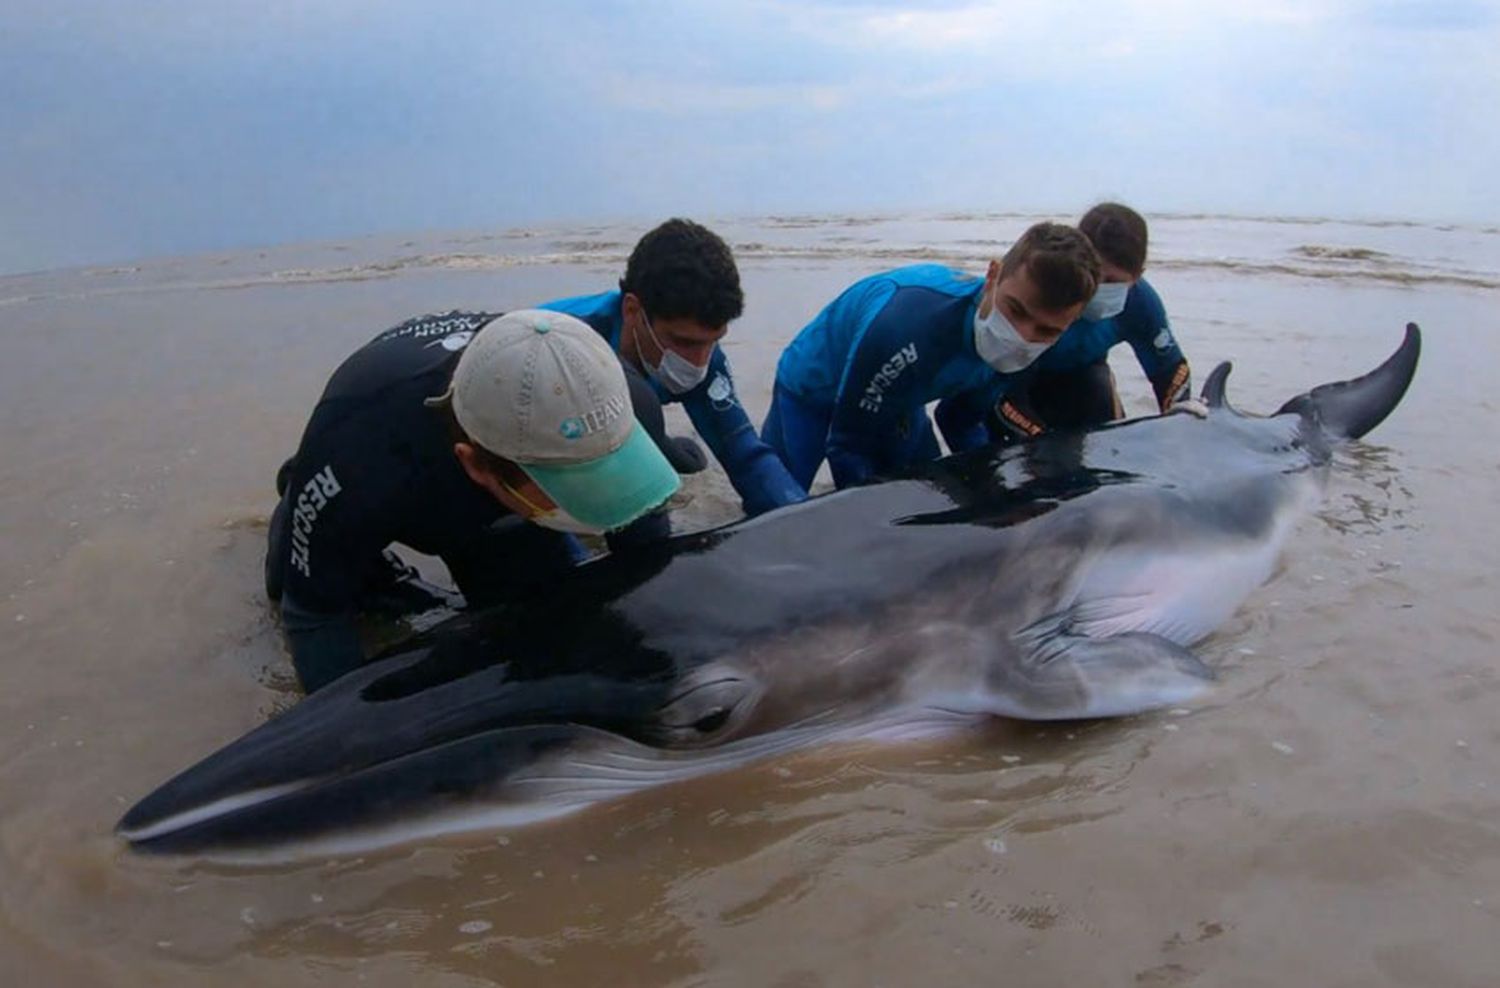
[
  {"x": 757, "y": 473},
  {"x": 1174, "y": 386},
  {"x": 643, "y": 531},
  {"x": 848, "y": 466}
]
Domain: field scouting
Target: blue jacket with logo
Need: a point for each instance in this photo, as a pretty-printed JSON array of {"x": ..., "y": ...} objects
[
  {"x": 877, "y": 354},
  {"x": 756, "y": 472},
  {"x": 1143, "y": 324}
]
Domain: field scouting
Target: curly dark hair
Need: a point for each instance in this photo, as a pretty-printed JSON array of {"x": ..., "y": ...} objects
[
  {"x": 1119, "y": 234},
  {"x": 1062, "y": 262},
  {"x": 684, "y": 270}
]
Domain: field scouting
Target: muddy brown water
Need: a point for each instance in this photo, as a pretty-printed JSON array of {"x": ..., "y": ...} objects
[{"x": 1330, "y": 817}]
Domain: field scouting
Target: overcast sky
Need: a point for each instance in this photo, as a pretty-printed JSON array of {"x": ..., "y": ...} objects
[{"x": 144, "y": 127}]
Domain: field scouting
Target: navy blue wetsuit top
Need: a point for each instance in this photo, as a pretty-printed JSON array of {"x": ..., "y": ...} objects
[
  {"x": 1143, "y": 324},
  {"x": 756, "y": 472},
  {"x": 376, "y": 466},
  {"x": 877, "y": 354}
]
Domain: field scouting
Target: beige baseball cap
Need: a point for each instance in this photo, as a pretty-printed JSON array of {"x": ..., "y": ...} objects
[{"x": 543, "y": 390}]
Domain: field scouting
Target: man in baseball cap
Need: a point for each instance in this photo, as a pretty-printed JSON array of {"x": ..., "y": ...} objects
[
  {"x": 447, "y": 434},
  {"x": 546, "y": 393}
]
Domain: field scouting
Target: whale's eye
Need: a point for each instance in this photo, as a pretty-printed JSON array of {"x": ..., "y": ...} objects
[
  {"x": 702, "y": 710},
  {"x": 712, "y": 721}
]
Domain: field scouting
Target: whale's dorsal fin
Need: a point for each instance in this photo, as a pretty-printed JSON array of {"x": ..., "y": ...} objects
[{"x": 1213, "y": 388}]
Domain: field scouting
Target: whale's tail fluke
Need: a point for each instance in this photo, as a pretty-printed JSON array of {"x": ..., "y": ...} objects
[{"x": 1349, "y": 409}]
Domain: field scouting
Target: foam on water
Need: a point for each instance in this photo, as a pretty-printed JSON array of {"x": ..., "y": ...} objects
[{"x": 1362, "y": 251}]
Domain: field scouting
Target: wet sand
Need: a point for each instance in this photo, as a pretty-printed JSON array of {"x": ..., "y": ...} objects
[{"x": 1330, "y": 817}]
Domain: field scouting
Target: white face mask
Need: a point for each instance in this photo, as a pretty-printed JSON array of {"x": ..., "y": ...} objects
[
  {"x": 560, "y": 521},
  {"x": 676, "y": 373},
  {"x": 1000, "y": 346},
  {"x": 554, "y": 517},
  {"x": 1108, "y": 301}
]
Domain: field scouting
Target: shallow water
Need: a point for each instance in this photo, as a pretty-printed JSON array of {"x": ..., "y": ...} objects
[{"x": 1331, "y": 816}]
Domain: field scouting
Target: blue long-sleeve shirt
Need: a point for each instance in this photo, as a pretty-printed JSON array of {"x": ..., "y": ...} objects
[
  {"x": 877, "y": 354},
  {"x": 757, "y": 473},
  {"x": 1143, "y": 324}
]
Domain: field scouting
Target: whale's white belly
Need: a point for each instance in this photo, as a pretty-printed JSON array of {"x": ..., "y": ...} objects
[{"x": 1181, "y": 592}]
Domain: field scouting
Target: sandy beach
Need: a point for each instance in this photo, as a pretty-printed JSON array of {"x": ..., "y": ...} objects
[{"x": 1330, "y": 817}]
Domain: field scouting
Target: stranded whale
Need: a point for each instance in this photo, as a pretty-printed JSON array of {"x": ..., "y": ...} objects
[{"x": 1064, "y": 577}]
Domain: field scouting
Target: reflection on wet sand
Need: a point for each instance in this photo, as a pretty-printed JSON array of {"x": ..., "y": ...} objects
[{"x": 632, "y": 886}]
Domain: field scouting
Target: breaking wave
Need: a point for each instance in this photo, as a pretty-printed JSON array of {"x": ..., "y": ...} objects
[{"x": 1353, "y": 264}]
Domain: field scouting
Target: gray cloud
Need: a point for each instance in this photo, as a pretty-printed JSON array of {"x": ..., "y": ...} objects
[{"x": 167, "y": 127}]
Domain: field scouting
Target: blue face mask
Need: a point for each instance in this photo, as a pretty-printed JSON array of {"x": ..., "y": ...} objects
[{"x": 1108, "y": 301}]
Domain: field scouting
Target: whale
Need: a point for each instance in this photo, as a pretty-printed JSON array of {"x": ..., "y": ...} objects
[{"x": 1064, "y": 577}]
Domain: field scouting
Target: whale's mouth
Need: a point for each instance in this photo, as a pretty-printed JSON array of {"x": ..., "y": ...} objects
[
  {"x": 507, "y": 772},
  {"x": 706, "y": 710},
  {"x": 151, "y": 829}
]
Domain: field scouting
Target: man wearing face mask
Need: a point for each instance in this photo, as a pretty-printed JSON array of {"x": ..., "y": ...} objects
[
  {"x": 447, "y": 434},
  {"x": 680, "y": 292},
  {"x": 1071, "y": 385},
  {"x": 854, "y": 383}
]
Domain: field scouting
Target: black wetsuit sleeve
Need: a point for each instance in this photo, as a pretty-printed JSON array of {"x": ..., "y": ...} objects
[
  {"x": 507, "y": 559},
  {"x": 643, "y": 531},
  {"x": 324, "y": 644},
  {"x": 336, "y": 516},
  {"x": 682, "y": 453},
  {"x": 329, "y": 554},
  {"x": 1145, "y": 327},
  {"x": 962, "y": 418},
  {"x": 684, "y": 456}
]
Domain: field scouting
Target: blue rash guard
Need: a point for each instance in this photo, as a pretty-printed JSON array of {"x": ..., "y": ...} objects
[
  {"x": 1143, "y": 324},
  {"x": 757, "y": 473},
  {"x": 853, "y": 385}
]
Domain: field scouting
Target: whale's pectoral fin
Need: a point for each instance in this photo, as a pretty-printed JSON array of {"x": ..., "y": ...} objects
[{"x": 1065, "y": 677}]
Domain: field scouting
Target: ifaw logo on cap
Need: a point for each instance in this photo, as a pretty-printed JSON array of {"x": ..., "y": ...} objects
[{"x": 592, "y": 421}]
